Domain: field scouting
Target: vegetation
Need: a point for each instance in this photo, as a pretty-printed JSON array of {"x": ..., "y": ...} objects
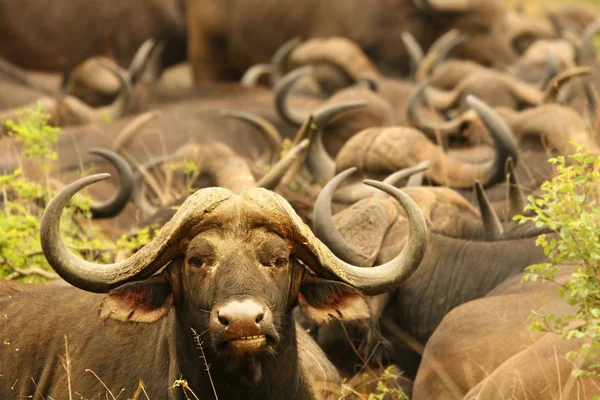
[
  {"x": 569, "y": 205},
  {"x": 23, "y": 202},
  {"x": 37, "y": 136}
]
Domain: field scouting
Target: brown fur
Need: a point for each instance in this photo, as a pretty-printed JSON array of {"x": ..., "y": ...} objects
[
  {"x": 228, "y": 37},
  {"x": 485, "y": 350},
  {"x": 37, "y": 34},
  {"x": 222, "y": 248}
]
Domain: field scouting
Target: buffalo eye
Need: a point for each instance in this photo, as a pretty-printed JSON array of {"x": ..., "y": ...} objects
[
  {"x": 280, "y": 262},
  {"x": 195, "y": 261}
]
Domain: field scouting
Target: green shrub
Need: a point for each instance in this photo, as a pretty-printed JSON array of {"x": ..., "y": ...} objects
[
  {"x": 570, "y": 205},
  {"x": 37, "y": 136},
  {"x": 23, "y": 203}
]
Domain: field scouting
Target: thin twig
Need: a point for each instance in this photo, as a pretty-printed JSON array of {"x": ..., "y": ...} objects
[
  {"x": 183, "y": 384},
  {"x": 103, "y": 384},
  {"x": 36, "y": 388},
  {"x": 355, "y": 350},
  {"x": 199, "y": 347},
  {"x": 67, "y": 367}
]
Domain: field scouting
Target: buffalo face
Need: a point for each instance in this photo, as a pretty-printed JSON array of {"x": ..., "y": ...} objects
[{"x": 240, "y": 284}]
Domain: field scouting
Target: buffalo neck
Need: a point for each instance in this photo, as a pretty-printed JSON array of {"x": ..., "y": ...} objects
[{"x": 455, "y": 271}]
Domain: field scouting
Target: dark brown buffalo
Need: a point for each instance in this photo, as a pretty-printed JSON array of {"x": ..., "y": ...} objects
[
  {"x": 216, "y": 287},
  {"x": 462, "y": 262},
  {"x": 484, "y": 349},
  {"x": 227, "y": 37},
  {"x": 161, "y": 133},
  {"x": 39, "y": 34}
]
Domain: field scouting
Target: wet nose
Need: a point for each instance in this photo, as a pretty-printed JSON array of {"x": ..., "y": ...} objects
[{"x": 240, "y": 312}]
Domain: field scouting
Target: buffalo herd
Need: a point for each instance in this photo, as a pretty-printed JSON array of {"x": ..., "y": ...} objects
[{"x": 355, "y": 169}]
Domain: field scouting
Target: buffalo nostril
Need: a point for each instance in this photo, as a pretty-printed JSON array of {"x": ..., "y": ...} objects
[
  {"x": 223, "y": 320},
  {"x": 259, "y": 317}
]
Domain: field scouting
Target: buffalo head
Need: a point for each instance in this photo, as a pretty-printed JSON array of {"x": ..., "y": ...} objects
[
  {"x": 483, "y": 21},
  {"x": 232, "y": 267}
]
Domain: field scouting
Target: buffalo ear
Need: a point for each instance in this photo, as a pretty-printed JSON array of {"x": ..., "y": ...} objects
[
  {"x": 144, "y": 301},
  {"x": 323, "y": 300}
]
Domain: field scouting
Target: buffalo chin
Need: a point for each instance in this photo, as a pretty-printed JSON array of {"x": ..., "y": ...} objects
[{"x": 244, "y": 357}]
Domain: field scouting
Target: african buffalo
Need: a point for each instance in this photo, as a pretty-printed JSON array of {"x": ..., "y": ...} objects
[
  {"x": 40, "y": 34},
  {"x": 462, "y": 262},
  {"x": 219, "y": 165},
  {"x": 384, "y": 150},
  {"x": 228, "y": 37},
  {"x": 485, "y": 350},
  {"x": 209, "y": 300}
]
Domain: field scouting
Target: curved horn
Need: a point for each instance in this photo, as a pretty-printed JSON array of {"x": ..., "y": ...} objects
[
  {"x": 504, "y": 141},
  {"x": 553, "y": 88},
  {"x": 270, "y": 133},
  {"x": 438, "y": 52},
  {"x": 382, "y": 278},
  {"x": 588, "y": 50},
  {"x": 344, "y": 62},
  {"x": 141, "y": 201},
  {"x": 323, "y": 224},
  {"x": 433, "y": 128},
  {"x": 356, "y": 192},
  {"x": 282, "y": 90},
  {"x": 252, "y": 76},
  {"x": 398, "y": 176},
  {"x": 516, "y": 198},
  {"x": 414, "y": 50},
  {"x": 552, "y": 71},
  {"x": 443, "y": 100},
  {"x": 132, "y": 128},
  {"x": 142, "y": 174},
  {"x": 491, "y": 224},
  {"x": 272, "y": 178},
  {"x": 280, "y": 58},
  {"x": 140, "y": 60},
  {"x": 121, "y": 104},
  {"x": 591, "y": 109},
  {"x": 368, "y": 81},
  {"x": 409, "y": 173},
  {"x": 101, "y": 278},
  {"x": 119, "y": 200},
  {"x": 66, "y": 71},
  {"x": 416, "y": 179},
  {"x": 319, "y": 162},
  {"x": 412, "y": 106}
]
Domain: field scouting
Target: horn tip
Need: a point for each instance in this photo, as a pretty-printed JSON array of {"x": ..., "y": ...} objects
[
  {"x": 348, "y": 172},
  {"x": 303, "y": 144},
  {"x": 473, "y": 101},
  {"x": 100, "y": 151},
  {"x": 95, "y": 178},
  {"x": 510, "y": 164}
]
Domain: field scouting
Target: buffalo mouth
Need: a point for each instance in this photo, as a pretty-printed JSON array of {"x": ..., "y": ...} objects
[{"x": 247, "y": 345}]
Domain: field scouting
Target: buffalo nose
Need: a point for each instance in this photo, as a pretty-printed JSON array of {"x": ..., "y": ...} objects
[{"x": 240, "y": 312}]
